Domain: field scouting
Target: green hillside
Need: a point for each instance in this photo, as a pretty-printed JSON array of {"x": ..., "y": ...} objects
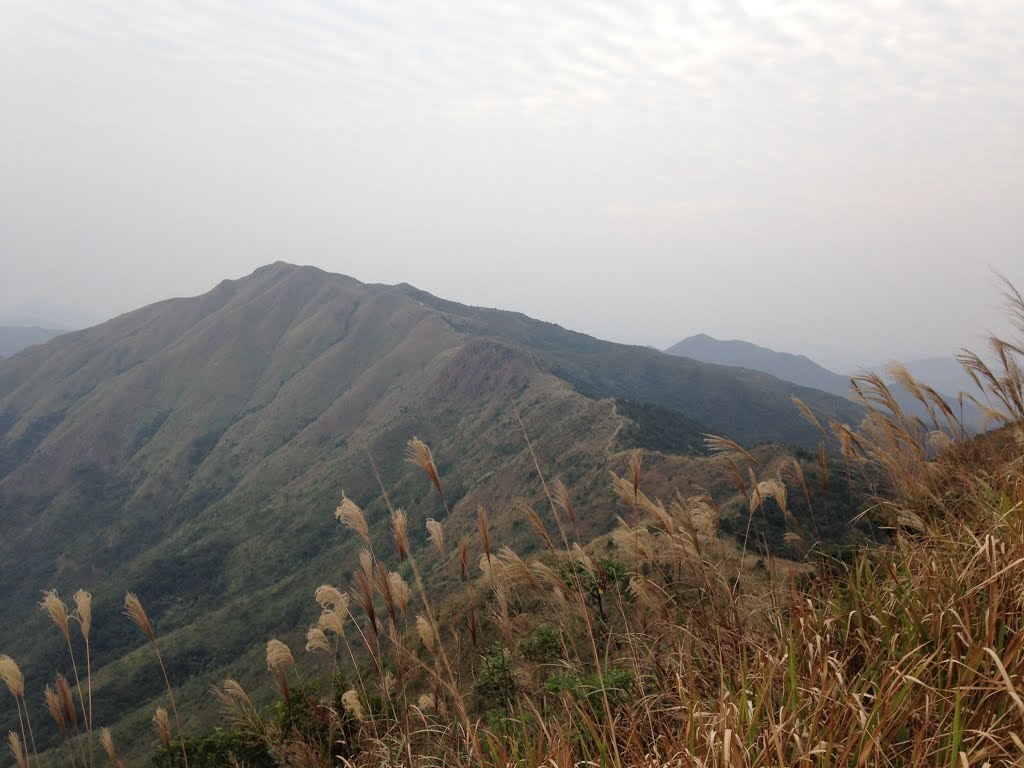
[{"x": 194, "y": 450}]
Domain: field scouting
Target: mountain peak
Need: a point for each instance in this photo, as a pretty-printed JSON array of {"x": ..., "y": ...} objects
[{"x": 797, "y": 369}]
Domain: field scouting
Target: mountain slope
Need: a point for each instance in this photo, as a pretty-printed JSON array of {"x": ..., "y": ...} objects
[
  {"x": 783, "y": 365},
  {"x": 15, "y": 338},
  {"x": 194, "y": 450},
  {"x": 944, "y": 375}
]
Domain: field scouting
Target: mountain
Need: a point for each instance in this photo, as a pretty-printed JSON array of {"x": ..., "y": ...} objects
[
  {"x": 194, "y": 451},
  {"x": 16, "y": 338},
  {"x": 783, "y": 365},
  {"x": 946, "y": 376}
]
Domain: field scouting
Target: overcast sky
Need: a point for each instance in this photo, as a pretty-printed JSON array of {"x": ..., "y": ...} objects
[{"x": 832, "y": 178}]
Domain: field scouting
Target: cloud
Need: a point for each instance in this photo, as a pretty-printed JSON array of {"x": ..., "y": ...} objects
[{"x": 568, "y": 131}]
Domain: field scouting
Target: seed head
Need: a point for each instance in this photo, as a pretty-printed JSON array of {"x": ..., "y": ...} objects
[
  {"x": 768, "y": 489},
  {"x": 485, "y": 533},
  {"x": 107, "y": 742},
  {"x": 561, "y": 496},
  {"x": 366, "y": 562},
  {"x": 233, "y": 694},
  {"x": 278, "y": 655},
  {"x": 162, "y": 724},
  {"x": 83, "y": 611},
  {"x": 57, "y": 610},
  {"x": 419, "y": 454},
  {"x": 387, "y": 684},
  {"x": 399, "y": 591},
  {"x": 16, "y": 749},
  {"x": 426, "y": 632},
  {"x": 134, "y": 610},
  {"x": 537, "y": 525},
  {"x": 316, "y": 640},
  {"x": 67, "y": 701},
  {"x": 53, "y": 704},
  {"x": 351, "y": 516},
  {"x": 436, "y": 533},
  {"x": 11, "y": 675},
  {"x": 333, "y": 621},
  {"x": 332, "y": 598},
  {"x": 400, "y": 527},
  {"x": 634, "y": 470},
  {"x": 350, "y": 700},
  {"x": 488, "y": 567}
]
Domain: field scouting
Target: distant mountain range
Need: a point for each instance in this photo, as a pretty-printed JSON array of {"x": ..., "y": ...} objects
[
  {"x": 742, "y": 354},
  {"x": 15, "y": 338},
  {"x": 44, "y": 314},
  {"x": 194, "y": 451},
  {"x": 946, "y": 376}
]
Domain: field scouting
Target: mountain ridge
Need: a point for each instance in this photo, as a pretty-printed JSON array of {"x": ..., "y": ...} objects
[
  {"x": 943, "y": 375},
  {"x": 193, "y": 451},
  {"x": 784, "y": 365}
]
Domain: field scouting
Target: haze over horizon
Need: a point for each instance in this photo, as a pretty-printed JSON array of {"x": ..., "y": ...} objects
[{"x": 819, "y": 179}]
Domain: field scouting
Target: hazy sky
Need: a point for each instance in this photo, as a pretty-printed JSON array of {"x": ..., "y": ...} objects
[{"x": 833, "y": 178}]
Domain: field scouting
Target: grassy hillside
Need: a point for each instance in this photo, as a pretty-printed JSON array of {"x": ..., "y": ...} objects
[
  {"x": 747, "y": 405},
  {"x": 523, "y": 635},
  {"x": 193, "y": 451}
]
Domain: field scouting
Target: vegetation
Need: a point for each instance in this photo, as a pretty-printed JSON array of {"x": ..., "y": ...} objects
[
  {"x": 659, "y": 429},
  {"x": 192, "y": 451},
  {"x": 660, "y": 643}
]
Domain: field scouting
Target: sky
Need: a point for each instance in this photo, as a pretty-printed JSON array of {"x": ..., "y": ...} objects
[{"x": 837, "y": 179}]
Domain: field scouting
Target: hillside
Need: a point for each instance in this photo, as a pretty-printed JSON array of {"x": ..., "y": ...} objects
[
  {"x": 15, "y": 338},
  {"x": 194, "y": 450},
  {"x": 946, "y": 375},
  {"x": 798, "y": 369}
]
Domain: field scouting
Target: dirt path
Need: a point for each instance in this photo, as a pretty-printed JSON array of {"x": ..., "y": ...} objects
[{"x": 615, "y": 433}]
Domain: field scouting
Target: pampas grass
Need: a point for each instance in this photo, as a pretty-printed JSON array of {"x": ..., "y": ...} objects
[
  {"x": 13, "y": 678},
  {"x": 351, "y": 516},
  {"x": 418, "y": 454},
  {"x": 83, "y": 615},
  {"x": 162, "y": 724},
  {"x": 134, "y": 610},
  {"x": 106, "y": 740},
  {"x": 435, "y": 532},
  {"x": 17, "y": 749}
]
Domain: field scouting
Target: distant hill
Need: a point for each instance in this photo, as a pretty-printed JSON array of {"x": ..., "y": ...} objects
[
  {"x": 194, "y": 451},
  {"x": 783, "y": 365},
  {"x": 44, "y": 314},
  {"x": 15, "y": 338},
  {"x": 946, "y": 376}
]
